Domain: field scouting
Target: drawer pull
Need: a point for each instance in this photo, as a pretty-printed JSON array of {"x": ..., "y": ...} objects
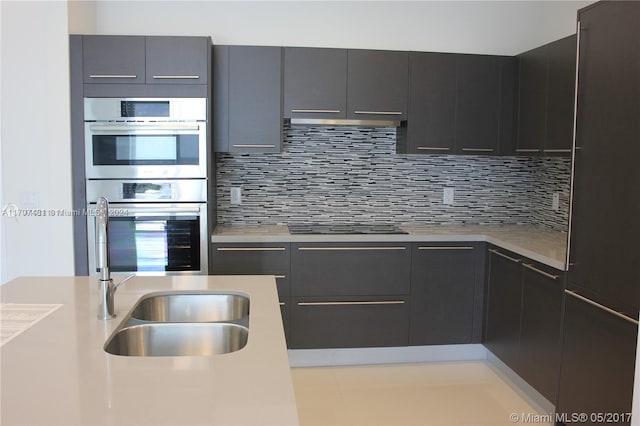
[
  {"x": 513, "y": 259},
  {"x": 546, "y": 274},
  {"x": 348, "y": 248},
  {"x": 433, "y": 148},
  {"x": 528, "y": 150},
  {"x": 477, "y": 149},
  {"x": 365, "y": 303},
  {"x": 254, "y": 146},
  {"x": 318, "y": 111},
  {"x": 113, "y": 76},
  {"x": 445, "y": 248},
  {"x": 280, "y": 277},
  {"x": 251, "y": 249},
  {"x": 602, "y": 307},
  {"x": 551, "y": 151},
  {"x": 176, "y": 77},
  {"x": 282, "y": 304},
  {"x": 379, "y": 112}
]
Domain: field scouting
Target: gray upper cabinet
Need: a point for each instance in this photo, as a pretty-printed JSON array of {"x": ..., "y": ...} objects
[
  {"x": 315, "y": 83},
  {"x": 247, "y": 99},
  {"x": 180, "y": 60},
  {"x": 432, "y": 103},
  {"x": 478, "y": 105},
  {"x": 377, "y": 85},
  {"x": 546, "y": 98},
  {"x": 113, "y": 59}
]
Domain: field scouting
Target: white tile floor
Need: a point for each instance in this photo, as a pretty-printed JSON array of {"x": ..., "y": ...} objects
[{"x": 439, "y": 393}]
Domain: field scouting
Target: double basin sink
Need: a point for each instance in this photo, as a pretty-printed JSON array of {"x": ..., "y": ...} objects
[{"x": 183, "y": 324}]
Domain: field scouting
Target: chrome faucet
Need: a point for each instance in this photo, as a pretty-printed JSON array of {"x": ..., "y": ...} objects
[{"x": 106, "y": 287}]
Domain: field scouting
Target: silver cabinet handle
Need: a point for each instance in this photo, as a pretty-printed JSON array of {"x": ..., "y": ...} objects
[
  {"x": 433, "y": 148},
  {"x": 348, "y": 248},
  {"x": 445, "y": 248},
  {"x": 176, "y": 77},
  {"x": 280, "y": 277},
  {"x": 113, "y": 76},
  {"x": 528, "y": 150},
  {"x": 477, "y": 149},
  {"x": 557, "y": 151},
  {"x": 364, "y": 303},
  {"x": 604, "y": 308},
  {"x": 319, "y": 111},
  {"x": 254, "y": 146},
  {"x": 513, "y": 259},
  {"x": 379, "y": 112},
  {"x": 282, "y": 304},
  {"x": 546, "y": 274},
  {"x": 251, "y": 249}
]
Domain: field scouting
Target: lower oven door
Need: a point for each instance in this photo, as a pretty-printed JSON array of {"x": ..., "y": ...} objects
[{"x": 154, "y": 239}]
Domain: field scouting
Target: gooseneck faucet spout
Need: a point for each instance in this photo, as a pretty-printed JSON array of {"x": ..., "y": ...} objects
[{"x": 106, "y": 289}]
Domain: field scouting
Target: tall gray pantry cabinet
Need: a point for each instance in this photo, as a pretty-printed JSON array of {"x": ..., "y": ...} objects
[{"x": 603, "y": 296}]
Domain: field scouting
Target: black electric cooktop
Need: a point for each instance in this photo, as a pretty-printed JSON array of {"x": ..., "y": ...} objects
[{"x": 344, "y": 229}]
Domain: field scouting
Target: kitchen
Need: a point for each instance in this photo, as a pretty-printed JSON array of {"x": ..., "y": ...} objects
[{"x": 52, "y": 265}]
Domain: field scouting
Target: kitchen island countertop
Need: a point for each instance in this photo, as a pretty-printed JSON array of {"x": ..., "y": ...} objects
[
  {"x": 57, "y": 373},
  {"x": 540, "y": 244}
]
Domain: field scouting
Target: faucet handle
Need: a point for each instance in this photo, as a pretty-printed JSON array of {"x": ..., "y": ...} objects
[{"x": 122, "y": 281}]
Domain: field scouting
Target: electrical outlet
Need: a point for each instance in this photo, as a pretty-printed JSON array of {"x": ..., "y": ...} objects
[
  {"x": 555, "y": 203},
  {"x": 447, "y": 196},
  {"x": 236, "y": 195}
]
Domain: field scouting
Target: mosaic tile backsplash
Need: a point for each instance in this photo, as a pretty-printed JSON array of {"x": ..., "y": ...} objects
[{"x": 352, "y": 174}]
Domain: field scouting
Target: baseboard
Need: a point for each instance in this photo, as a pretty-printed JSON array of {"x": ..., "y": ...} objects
[
  {"x": 393, "y": 355},
  {"x": 524, "y": 389}
]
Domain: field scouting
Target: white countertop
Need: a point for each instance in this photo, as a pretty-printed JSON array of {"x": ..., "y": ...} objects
[
  {"x": 536, "y": 243},
  {"x": 57, "y": 373}
]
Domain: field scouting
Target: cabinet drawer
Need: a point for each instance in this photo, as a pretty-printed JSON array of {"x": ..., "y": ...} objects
[
  {"x": 354, "y": 269},
  {"x": 348, "y": 322},
  {"x": 254, "y": 259}
]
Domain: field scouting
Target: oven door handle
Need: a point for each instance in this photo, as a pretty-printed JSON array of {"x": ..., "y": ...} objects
[
  {"x": 141, "y": 212},
  {"x": 109, "y": 128}
]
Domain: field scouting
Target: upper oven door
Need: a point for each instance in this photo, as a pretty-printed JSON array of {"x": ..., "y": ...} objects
[{"x": 145, "y": 150}]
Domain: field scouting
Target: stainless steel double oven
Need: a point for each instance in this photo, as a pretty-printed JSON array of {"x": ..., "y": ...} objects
[{"x": 148, "y": 157}]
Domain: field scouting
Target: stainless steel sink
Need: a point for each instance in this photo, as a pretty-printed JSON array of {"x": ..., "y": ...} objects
[
  {"x": 191, "y": 307},
  {"x": 178, "y": 339}
]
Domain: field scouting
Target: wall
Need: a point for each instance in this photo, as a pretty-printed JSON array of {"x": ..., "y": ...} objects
[
  {"x": 490, "y": 27},
  {"x": 352, "y": 174},
  {"x": 34, "y": 138}
]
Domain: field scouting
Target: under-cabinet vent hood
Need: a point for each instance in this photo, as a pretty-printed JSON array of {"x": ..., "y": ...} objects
[{"x": 344, "y": 122}]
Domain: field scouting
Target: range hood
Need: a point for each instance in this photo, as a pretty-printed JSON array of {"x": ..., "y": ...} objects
[{"x": 344, "y": 122}]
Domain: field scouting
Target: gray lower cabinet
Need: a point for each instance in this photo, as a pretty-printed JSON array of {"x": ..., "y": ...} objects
[
  {"x": 257, "y": 259},
  {"x": 524, "y": 318},
  {"x": 350, "y": 295},
  {"x": 247, "y": 99},
  {"x": 349, "y": 322},
  {"x": 443, "y": 290}
]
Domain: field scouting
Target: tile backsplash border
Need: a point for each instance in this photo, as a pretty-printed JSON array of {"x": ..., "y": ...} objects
[{"x": 352, "y": 174}]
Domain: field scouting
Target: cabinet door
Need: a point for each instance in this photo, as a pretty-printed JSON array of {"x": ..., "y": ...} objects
[
  {"x": 315, "y": 83},
  {"x": 442, "y": 294},
  {"x": 253, "y": 259},
  {"x": 377, "y": 84},
  {"x": 561, "y": 85},
  {"x": 504, "y": 307},
  {"x": 542, "y": 298},
  {"x": 113, "y": 59},
  {"x": 341, "y": 269},
  {"x": 247, "y": 98},
  {"x": 598, "y": 357},
  {"x": 605, "y": 229},
  {"x": 478, "y": 105},
  {"x": 179, "y": 60},
  {"x": 532, "y": 101},
  {"x": 349, "y": 322},
  {"x": 432, "y": 102}
]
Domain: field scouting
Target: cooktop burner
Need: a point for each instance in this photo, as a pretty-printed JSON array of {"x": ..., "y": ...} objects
[{"x": 345, "y": 229}]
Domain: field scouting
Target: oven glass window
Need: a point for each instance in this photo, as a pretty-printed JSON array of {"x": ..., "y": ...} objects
[
  {"x": 141, "y": 150},
  {"x": 149, "y": 244}
]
